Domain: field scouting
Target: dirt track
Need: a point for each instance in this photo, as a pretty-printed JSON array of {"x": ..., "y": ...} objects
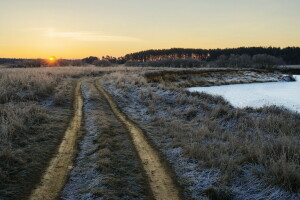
[
  {"x": 59, "y": 167},
  {"x": 161, "y": 183}
]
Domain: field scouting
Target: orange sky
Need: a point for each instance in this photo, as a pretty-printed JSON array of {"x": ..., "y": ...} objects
[{"x": 80, "y": 28}]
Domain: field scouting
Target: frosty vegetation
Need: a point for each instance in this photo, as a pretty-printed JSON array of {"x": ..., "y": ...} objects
[
  {"x": 216, "y": 150},
  {"x": 35, "y": 107}
]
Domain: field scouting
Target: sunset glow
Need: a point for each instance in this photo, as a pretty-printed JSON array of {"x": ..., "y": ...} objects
[
  {"x": 76, "y": 29},
  {"x": 52, "y": 59}
]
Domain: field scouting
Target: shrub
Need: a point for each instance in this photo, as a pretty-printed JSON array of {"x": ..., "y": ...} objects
[
  {"x": 102, "y": 63},
  {"x": 90, "y": 60}
]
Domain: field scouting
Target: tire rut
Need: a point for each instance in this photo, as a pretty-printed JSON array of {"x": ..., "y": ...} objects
[
  {"x": 107, "y": 165},
  {"x": 56, "y": 174},
  {"x": 161, "y": 182}
]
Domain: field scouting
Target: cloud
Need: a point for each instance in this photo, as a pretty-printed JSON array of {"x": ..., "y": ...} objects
[{"x": 90, "y": 36}]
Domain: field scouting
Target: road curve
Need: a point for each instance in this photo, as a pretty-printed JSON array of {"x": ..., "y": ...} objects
[
  {"x": 56, "y": 174},
  {"x": 162, "y": 185}
]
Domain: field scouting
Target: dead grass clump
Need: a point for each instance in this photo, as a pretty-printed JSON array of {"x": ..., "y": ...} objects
[
  {"x": 283, "y": 172},
  {"x": 29, "y": 135},
  {"x": 63, "y": 91},
  {"x": 219, "y": 111},
  {"x": 18, "y": 118},
  {"x": 191, "y": 113}
]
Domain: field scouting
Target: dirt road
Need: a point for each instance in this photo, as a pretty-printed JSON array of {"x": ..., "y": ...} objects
[{"x": 159, "y": 178}]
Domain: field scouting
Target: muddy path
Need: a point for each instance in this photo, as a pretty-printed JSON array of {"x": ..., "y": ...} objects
[
  {"x": 160, "y": 180},
  {"x": 56, "y": 174}
]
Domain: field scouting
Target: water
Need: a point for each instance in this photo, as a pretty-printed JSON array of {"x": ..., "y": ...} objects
[{"x": 256, "y": 95}]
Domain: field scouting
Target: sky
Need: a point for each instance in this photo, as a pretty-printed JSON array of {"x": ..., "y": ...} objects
[{"x": 80, "y": 28}]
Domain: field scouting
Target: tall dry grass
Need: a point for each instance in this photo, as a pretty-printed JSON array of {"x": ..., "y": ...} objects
[{"x": 37, "y": 83}]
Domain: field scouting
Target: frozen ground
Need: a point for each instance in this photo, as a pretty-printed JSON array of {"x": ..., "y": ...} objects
[
  {"x": 163, "y": 115},
  {"x": 258, "y": 94}
]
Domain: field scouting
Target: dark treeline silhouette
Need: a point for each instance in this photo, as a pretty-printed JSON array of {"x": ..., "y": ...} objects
[
  {"x": 262, "y": 57},
  {"x": 29, "y": 63},
  {"x": 261, "y": 61},
  {"x": 10, "y": 60},
  {"x": 115, "y": 60},
  {"x": 291, "y": 55},
  {"x": 105, "y": 62}
]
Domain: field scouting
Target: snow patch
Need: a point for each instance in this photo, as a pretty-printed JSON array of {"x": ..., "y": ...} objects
[{"x": 258, "y": 94}]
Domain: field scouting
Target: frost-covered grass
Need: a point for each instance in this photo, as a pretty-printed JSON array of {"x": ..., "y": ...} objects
[
  {"x": 215, "y": 149},
  {"x": 35, "y": 107}
]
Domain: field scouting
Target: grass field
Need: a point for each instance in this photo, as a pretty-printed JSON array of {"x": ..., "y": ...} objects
[
  {"x": 213, "y": 150},
  {"x": 35, "y": 108},
  {"x": 234, "y": 153}
]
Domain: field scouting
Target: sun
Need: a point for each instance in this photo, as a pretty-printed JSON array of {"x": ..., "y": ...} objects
[{"x": 52, "y": 58}]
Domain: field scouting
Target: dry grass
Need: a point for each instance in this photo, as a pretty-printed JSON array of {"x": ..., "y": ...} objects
[
  {"x": 35, "y": 107},
  {"x": 38, "y": 83},
  {"x": 29, "y": 134},
  {"x": 214, "y": 133},
  {"x": 206, "y": 128}
]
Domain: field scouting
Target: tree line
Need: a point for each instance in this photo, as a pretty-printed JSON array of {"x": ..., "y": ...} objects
[
  {"x": 290, "y": 55},
  {"x": 260, "y": 61},
  {"x": 180, "y": 57}
]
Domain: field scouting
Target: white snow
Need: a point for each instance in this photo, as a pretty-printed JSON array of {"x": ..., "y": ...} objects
[{"x": 256, "y": 95}]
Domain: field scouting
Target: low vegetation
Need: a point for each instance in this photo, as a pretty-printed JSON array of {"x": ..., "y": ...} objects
[
  {"x": 216, "y": 150},
  {"x": 35, "y": 108},
  {"x": 102, "y": 63},
  {"x": 209, "y": 77}
]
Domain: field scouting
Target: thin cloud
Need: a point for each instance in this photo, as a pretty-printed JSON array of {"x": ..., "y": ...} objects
[{"x": 90, "y": 37}]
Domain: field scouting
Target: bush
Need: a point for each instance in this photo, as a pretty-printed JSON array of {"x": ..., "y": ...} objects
[
  {"x": 266, "y": 61},
  {"x": 90, "y": 60},
  {"x": 102, "y": 63}
]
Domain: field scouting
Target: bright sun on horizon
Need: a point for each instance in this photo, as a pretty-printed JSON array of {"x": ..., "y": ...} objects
[{"x": 52, "y": 58}]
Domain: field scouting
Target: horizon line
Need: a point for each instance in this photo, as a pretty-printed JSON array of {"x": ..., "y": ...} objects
[{"x": 155, "y": 49}]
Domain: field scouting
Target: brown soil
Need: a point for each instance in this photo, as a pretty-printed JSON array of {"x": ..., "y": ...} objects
[{"x": 56, "y": 174}]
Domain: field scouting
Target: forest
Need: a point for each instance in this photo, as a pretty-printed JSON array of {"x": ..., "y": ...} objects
[{"x": 290, "y": 55}]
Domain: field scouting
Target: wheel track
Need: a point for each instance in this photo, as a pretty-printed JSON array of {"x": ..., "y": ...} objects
[
  {"x": 56, "y": 174},
  {"x": 161, "y": 182},
  {"x": 162, "y": 185}
]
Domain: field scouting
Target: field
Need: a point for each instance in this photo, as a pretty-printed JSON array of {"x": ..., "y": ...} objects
[{"x": 137, "y": 133}]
